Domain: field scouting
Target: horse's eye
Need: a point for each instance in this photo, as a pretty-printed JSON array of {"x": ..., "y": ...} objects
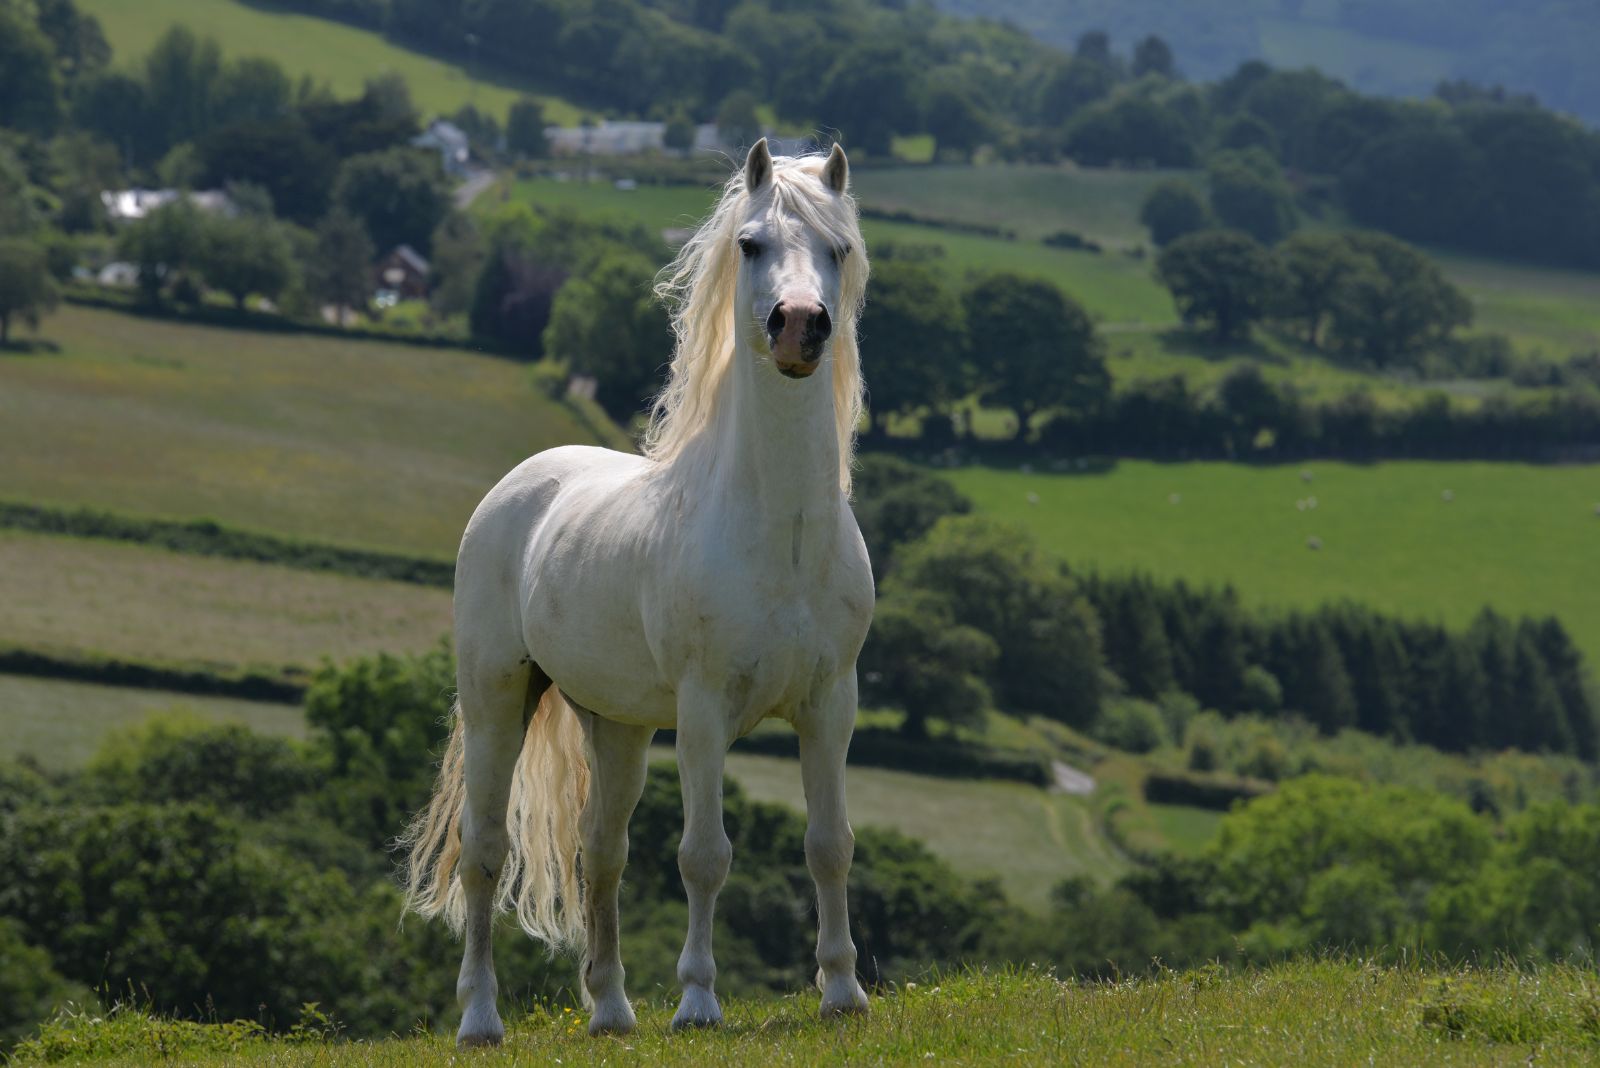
[
  {"x": 750, "y": 249},
  {"x": 840, "y": 253}
]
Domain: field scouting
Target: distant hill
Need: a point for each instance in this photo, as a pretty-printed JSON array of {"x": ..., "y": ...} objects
[{"x": 1394, "y": 47}]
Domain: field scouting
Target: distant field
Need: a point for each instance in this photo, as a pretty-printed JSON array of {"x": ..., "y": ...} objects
[
  {"x": 1554, "y": 311},
  {"x": 1114, "y": 287},
  {"x": 61, "y": 723},
  {"x": 1524, "y": 539},
  {"x": 71, "y": 595},
  {"x": 352, "y": 442},
  {"x": 1033, "y": 200},
  {"x": 332, "y": 52},
  {"x": 1030, "y": 839}
]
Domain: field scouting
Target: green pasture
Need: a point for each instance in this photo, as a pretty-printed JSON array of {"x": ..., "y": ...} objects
[
  {"x": 61, "y": 724},
  {"x": 1525, "y": 539},
  {"x": 81, "y": 596},
  {"x": 1308, "y": 1013},
  {"x": 1033, "y": 200},
  {"x": 359, "y": 443},
  {"x": 1026, "y": 837},
  {"x": 340, "y": 55}
]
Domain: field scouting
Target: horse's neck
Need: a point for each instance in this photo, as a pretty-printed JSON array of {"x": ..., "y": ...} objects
[{"x": 778, "y": 452}]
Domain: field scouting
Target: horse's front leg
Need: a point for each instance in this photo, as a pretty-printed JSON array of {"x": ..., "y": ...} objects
[
  {"x": 830, "y": 844},
  {"x": 618, "y": 762},
  {"x": 705, "y": 853}
]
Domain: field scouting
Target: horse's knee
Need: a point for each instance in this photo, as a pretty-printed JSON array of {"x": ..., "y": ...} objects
[
  {"x": 704, "y": 860},
  {"x": 829, "y": 850}
]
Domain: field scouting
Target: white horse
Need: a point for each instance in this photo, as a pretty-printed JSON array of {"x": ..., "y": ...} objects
[{"x": 713, "y": 582}]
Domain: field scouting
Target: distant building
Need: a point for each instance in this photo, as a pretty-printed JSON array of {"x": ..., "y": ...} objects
[
  {"x": 624, "y": 139},
  {"x": 129, "y": 205},
  {"x": 404, "y": 272},
  {"x": 452, "y": 144}
]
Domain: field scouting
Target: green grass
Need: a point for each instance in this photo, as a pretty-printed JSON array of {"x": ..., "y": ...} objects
[
  {"x": 1521, "y": 538},
  {"x": 1029, "y": 839},
  {"x": 1307, "y": 1014},
  {"x": 61, "y": 724},
  {"x": 1031, "y": 200},
  {"x": 357, "y": 443},
  {"x": 129, "y": 602},
  {"x": 342, "y": 56},
  {"x": 1187, "y": 829}
]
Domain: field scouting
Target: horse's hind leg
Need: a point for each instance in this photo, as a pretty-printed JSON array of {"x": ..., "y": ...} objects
[
  {"x": 494, "y": 694},
  {"x": 618, "y": 760},
  {"x": 830, "y": 845}
]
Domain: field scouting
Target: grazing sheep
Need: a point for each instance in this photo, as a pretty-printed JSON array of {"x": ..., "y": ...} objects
[{"x": 1313, "y": 542}]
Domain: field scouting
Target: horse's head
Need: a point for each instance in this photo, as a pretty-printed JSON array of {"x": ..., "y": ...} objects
[{"x": 791, "y": 267}]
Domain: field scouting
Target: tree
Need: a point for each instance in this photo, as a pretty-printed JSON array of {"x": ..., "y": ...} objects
[
  {"x": 27, "y": 291},
  {"x": 164, "y": 244},
  {"x": 340, "y": 272},
  {"x": 1033, "y": 347},
  {"x": 458, "y": 255},
  {"x": 247, "y": 254},
  {"x": 1424, "y": 182},
  {"x": 1130, "y": 129},
  {"x": 1070, "y": 85},
  {"x": 895, "y": 503},
  {"x": 914, "y": 333},
  {"x": 525, "y": 129},
  {"x": 281, "y": 156},
  {"x": 180, "y": 78},
  {"x": 1171, "y": 209},
  {"x": 607, "y": 323},
  {"x": 995, "y": 580},
  {"x": 919, "y": 660},
  {"x": 1248, "y": 193},
  {"x": 1397, "y": 305},
  {"x": 399, "y": 194},
  {"x": 1316, "y": 268},
  {"x": 738, "y": 124},
  {"x": 870, "y": 94},
  {"x": 679, "y": 132},
  {"x": 1221, "y": 280},
  {"x": 958, "y": 124},
  {"x": 1152, "y": 55},
  {"x": 30, "y": 89}
]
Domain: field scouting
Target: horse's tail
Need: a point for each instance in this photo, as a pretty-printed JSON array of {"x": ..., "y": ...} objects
[{"x": 539, "y": 880}]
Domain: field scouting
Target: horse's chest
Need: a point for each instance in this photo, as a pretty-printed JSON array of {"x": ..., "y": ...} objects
[{"x": 769, "y": 640}]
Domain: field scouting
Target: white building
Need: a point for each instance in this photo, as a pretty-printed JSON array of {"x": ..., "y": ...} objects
[
  {"x": 128, "y": 205},
  {"x": 624, "y": 139},
  {"x": 452, "y": 144}
]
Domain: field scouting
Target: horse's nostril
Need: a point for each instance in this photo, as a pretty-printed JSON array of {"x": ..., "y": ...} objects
[
  {"x": 775, "y": 321},
  {"x": 821, "y": 325}
]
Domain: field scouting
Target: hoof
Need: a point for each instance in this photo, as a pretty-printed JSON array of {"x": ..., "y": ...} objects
[
  {"x": 698, "y": 1008},
  {"x": 480, "y": 1036},
  {"x": 843, "y": 998},
  {"x": 612, "y": 1019}
]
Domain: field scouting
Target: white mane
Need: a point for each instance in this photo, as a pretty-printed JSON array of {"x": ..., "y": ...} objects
[{"x": 698, "y": 289}]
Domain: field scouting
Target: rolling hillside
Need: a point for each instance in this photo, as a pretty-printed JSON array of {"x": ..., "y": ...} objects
[
  {"x": 342, "y": 56},
  {"x": 352, "y": 442}
]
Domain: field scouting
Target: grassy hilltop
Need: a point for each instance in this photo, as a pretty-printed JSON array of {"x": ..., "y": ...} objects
[
  {"x": 342, "y": 56},
  {"x": 1311, "y": 1013}
]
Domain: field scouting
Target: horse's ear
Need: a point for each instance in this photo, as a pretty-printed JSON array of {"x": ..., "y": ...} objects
[
  {"x": 757, "y": 166},
  {"x": 836, "y": 172}
]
